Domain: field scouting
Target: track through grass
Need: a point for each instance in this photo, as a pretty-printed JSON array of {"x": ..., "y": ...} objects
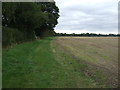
[{"x": 39, "y": 64}]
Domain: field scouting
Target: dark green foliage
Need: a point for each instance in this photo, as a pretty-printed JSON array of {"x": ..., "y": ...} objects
[
  {"x": 11, "y": 35},
  {"x": 8, "y": 12},
  {"x": 51, "y": 15},
  {"x": 88, "y": 35},
  {"x": 30, "y": 19}
]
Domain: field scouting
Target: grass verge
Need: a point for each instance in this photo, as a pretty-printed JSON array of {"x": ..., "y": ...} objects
[{"x": 41, "y": 64}]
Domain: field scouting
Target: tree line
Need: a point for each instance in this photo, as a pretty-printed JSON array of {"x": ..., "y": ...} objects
[
  {"x": 88, "y": 34},
  {"x": 23, "y": 21}
]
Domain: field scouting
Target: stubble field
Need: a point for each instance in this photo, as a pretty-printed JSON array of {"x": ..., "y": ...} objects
[
  {"x": 62, "y": 62},
  {"x": 99, "y": 55}
]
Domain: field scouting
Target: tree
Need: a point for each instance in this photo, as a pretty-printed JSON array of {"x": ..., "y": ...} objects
[
  {"x": 31, "y": 18},
  {"x": 8, "y": 13},
  {"x": 51, "y": 12}
]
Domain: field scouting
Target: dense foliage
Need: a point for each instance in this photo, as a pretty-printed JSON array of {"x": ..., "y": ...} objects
[
  {"x": 87, "y": 34},
  {"x": 29, "y": 19}
]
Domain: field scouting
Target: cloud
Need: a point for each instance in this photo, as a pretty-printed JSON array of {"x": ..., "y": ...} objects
[{"x": 99, "y": 16}]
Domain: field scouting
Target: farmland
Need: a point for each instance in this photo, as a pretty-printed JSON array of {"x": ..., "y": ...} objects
[
  {"x": 62, "y": 62},
  {"x": 99, "y": 54}
]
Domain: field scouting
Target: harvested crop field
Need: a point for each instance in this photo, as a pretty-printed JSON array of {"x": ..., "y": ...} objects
[
  {"x": 99, "y": 55},
  {"x": 62, "y": 62}
]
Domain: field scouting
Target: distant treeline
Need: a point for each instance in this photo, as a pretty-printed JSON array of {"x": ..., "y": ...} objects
[
  {"x": 87, "y": 34},
  {"x": 24, "y": 21}
]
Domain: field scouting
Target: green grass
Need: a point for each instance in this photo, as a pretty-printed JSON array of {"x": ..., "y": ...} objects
[{"x": 39, "y": 64}]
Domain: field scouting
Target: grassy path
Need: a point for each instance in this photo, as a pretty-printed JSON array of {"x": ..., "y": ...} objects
[
  {"x": 29, "y": 65},
  {"x": 38, "y": 64}
]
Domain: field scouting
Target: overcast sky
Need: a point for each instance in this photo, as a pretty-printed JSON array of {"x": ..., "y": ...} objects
[{"x": 92, "y": 16}]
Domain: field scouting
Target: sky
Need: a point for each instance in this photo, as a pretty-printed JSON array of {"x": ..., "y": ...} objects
[{"x": 87, "y": 16}]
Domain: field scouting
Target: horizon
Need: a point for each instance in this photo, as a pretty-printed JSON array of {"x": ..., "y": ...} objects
[
  {"x": 78, "y": 32},
  {"x": 90, "y": 33}
]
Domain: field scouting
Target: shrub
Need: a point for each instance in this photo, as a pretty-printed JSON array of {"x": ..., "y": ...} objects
[{"x": 11, "y": 36}]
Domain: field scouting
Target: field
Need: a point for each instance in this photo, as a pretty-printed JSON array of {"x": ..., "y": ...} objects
[
  {"x": 98, "y": 54},
  {"x": 62, "y": 62}
]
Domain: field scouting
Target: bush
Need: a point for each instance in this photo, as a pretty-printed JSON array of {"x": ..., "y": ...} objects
[{"x": 11, "y": 36}]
